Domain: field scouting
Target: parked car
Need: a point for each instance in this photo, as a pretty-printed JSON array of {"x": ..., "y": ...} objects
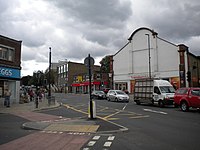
[
  {"x": 98, "y": 95},
  {"x": 106, "y": 90},
  {"x": 187, "y": 97},
  {"x": 153, "y": 91},
  {"x": 117, "y": 95}
]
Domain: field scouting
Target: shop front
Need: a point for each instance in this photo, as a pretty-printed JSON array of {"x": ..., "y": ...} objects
[
  {"x": 83, "y": 87},
  {"x": 9, "y": 79}
]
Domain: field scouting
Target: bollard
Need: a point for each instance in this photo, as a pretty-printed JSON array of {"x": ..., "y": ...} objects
[
  {"x": 51, "y": 100},
  {"x": 93, "y": 110},
  {"x": 36, "y": 102}
]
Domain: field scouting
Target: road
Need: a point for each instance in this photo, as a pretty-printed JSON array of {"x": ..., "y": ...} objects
[
  {"x": 10, "y": 128},
  {"x": 149, "y": 127},
  {"x": 144, "y": 127}
]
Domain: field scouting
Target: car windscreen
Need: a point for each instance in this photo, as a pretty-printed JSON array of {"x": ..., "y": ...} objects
[
  {"x": 100, "y": 92},
  {"x": 167, "y": 89},
  {"x": 120, "y": 92}
]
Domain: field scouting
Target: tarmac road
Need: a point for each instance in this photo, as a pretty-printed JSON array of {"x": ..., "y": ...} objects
[
  {"x": 47, "y": 127},
  {"x": 117, "y": 126}
]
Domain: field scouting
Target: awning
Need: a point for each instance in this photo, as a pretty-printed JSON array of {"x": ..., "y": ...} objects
[{"x": 86, "y": 83}]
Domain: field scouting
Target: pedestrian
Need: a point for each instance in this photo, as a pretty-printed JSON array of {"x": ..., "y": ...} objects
[
  {"x": 7, "y": 98},
  {"x": 37, "y": 97},
  {"x": 31, "y": 94}
]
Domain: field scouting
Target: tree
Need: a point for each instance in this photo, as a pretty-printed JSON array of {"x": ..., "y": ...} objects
[
  {"x": 26, "y": 80},
  {"x": 105, "y": 64}
]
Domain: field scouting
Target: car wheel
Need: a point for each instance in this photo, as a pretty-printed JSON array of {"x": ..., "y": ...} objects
[
  {"x": 152, "y": 102},
  {"x": 137, "y": 102},
  {"x": 116, "y": 99},
  {"x": 108, "y": 98},
  {"x": 184, "y": 106},
  {"x": 161, "y": 103}
]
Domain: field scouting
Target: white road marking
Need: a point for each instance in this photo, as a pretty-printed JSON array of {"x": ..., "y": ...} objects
[
  {"x": 96, "y": 137},
  {"x": 154, "y": 111},
  {"x": 107, "y": 144},
  {"x": 124, "y": 107},
  {"x": 111, "y": 138},
  {"x": 91, "y": 143},
  {"x": 138, "y": 117}
]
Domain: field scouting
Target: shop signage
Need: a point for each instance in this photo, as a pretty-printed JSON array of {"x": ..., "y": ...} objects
[
  {"x": 9, "y": 72},
  {"x": 86, "y": 83}
]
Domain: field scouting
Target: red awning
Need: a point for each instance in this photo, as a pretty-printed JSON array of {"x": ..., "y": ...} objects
[{"x": 86, "y": 83}]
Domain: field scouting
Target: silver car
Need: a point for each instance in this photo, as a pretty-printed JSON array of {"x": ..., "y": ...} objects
[{"x": 117, "y": 95}]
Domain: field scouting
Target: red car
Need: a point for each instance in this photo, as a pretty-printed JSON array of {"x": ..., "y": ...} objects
[{"x": 187, "y": 97}]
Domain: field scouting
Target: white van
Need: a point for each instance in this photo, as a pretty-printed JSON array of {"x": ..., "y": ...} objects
[{"x": 154, "y": 91}]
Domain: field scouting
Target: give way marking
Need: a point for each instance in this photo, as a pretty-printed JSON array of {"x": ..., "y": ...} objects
[{"x": 154, "y": 111}]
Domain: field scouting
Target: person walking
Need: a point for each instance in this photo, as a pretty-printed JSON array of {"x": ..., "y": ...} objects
[{"x": 7, "y": 98}]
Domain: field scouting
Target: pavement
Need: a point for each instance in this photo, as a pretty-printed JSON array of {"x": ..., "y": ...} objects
[{"x": 52, "y": 123}]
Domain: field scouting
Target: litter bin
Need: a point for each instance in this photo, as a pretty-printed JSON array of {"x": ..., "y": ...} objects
[{"x": 93, "y": 109}]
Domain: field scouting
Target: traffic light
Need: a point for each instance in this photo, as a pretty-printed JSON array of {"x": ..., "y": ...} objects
[{"x": 189, "y": 76}]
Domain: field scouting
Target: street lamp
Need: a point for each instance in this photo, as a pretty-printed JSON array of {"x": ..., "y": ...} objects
[
  {"x": 49, "y": 94},
  {"x": 149, "y": 55}
]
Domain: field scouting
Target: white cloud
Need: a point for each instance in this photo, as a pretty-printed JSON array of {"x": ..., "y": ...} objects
[{"x": 75, "y": 28}]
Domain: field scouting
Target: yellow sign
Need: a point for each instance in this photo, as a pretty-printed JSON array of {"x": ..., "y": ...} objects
[{"x": 79, "y": 78}]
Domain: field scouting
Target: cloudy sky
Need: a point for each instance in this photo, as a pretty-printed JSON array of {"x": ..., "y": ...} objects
[{"x": 75, "y": 28}]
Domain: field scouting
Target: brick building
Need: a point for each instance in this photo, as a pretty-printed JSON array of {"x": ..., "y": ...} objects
[
  {"x": 10, "y": 67},
  {"x": 73, "y": 77}
]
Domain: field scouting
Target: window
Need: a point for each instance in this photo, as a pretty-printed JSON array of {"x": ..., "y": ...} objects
[
  {"x": 7, "y": 53},
  {"x": 98, "y": 76},
  {"x": 156, "y": 90},
  {"x": 195, "y": 92},
  {"x": 167, "y": 89},
  {"x": 182, "y": 91}
]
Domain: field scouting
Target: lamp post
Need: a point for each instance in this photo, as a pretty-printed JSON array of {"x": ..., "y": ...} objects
[
  {"x": 149, "y": 55},
  {"x": 89, "y": 61},
  {"x": 49, "y": 94}
]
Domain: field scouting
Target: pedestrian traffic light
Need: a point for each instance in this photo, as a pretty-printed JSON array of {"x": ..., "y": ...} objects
[{"x": 189, "y": 76}]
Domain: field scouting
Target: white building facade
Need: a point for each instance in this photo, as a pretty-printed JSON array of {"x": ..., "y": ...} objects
[{"x": 147, "y": 55}]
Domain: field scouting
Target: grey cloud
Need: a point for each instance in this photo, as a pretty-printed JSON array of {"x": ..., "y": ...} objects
[
  {"x": 98, "y": 24},
  {"x": 75, "y": 28},
  {"x": 100, "y": 13},
  {"x": 176, "y": 20}
]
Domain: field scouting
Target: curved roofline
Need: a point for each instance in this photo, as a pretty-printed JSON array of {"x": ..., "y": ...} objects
[{"x": 142, "y": 28}]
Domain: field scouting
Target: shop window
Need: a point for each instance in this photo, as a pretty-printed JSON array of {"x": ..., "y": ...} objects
[
  {"x": 87, "y": 78},
  {"x": 121, "y": 86}
]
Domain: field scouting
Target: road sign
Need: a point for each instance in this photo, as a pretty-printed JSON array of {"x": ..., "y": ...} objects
[{"x": 87, "y": 59}]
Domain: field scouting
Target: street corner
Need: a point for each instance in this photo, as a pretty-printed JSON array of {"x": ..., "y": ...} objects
[
  {"x": 72, "y": 128},
  {"x": 66, "y": 125},
  {"x": 39, "y": 125},
  {"x": 74, "y": 125}
]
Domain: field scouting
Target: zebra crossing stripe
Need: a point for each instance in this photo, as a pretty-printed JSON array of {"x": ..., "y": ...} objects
[
  {"x": 111, "y": 138},
  {"x": 96, "y": 137},
  {"x": 107, "y": 144},
  {"x": 91, "y": 143}
]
